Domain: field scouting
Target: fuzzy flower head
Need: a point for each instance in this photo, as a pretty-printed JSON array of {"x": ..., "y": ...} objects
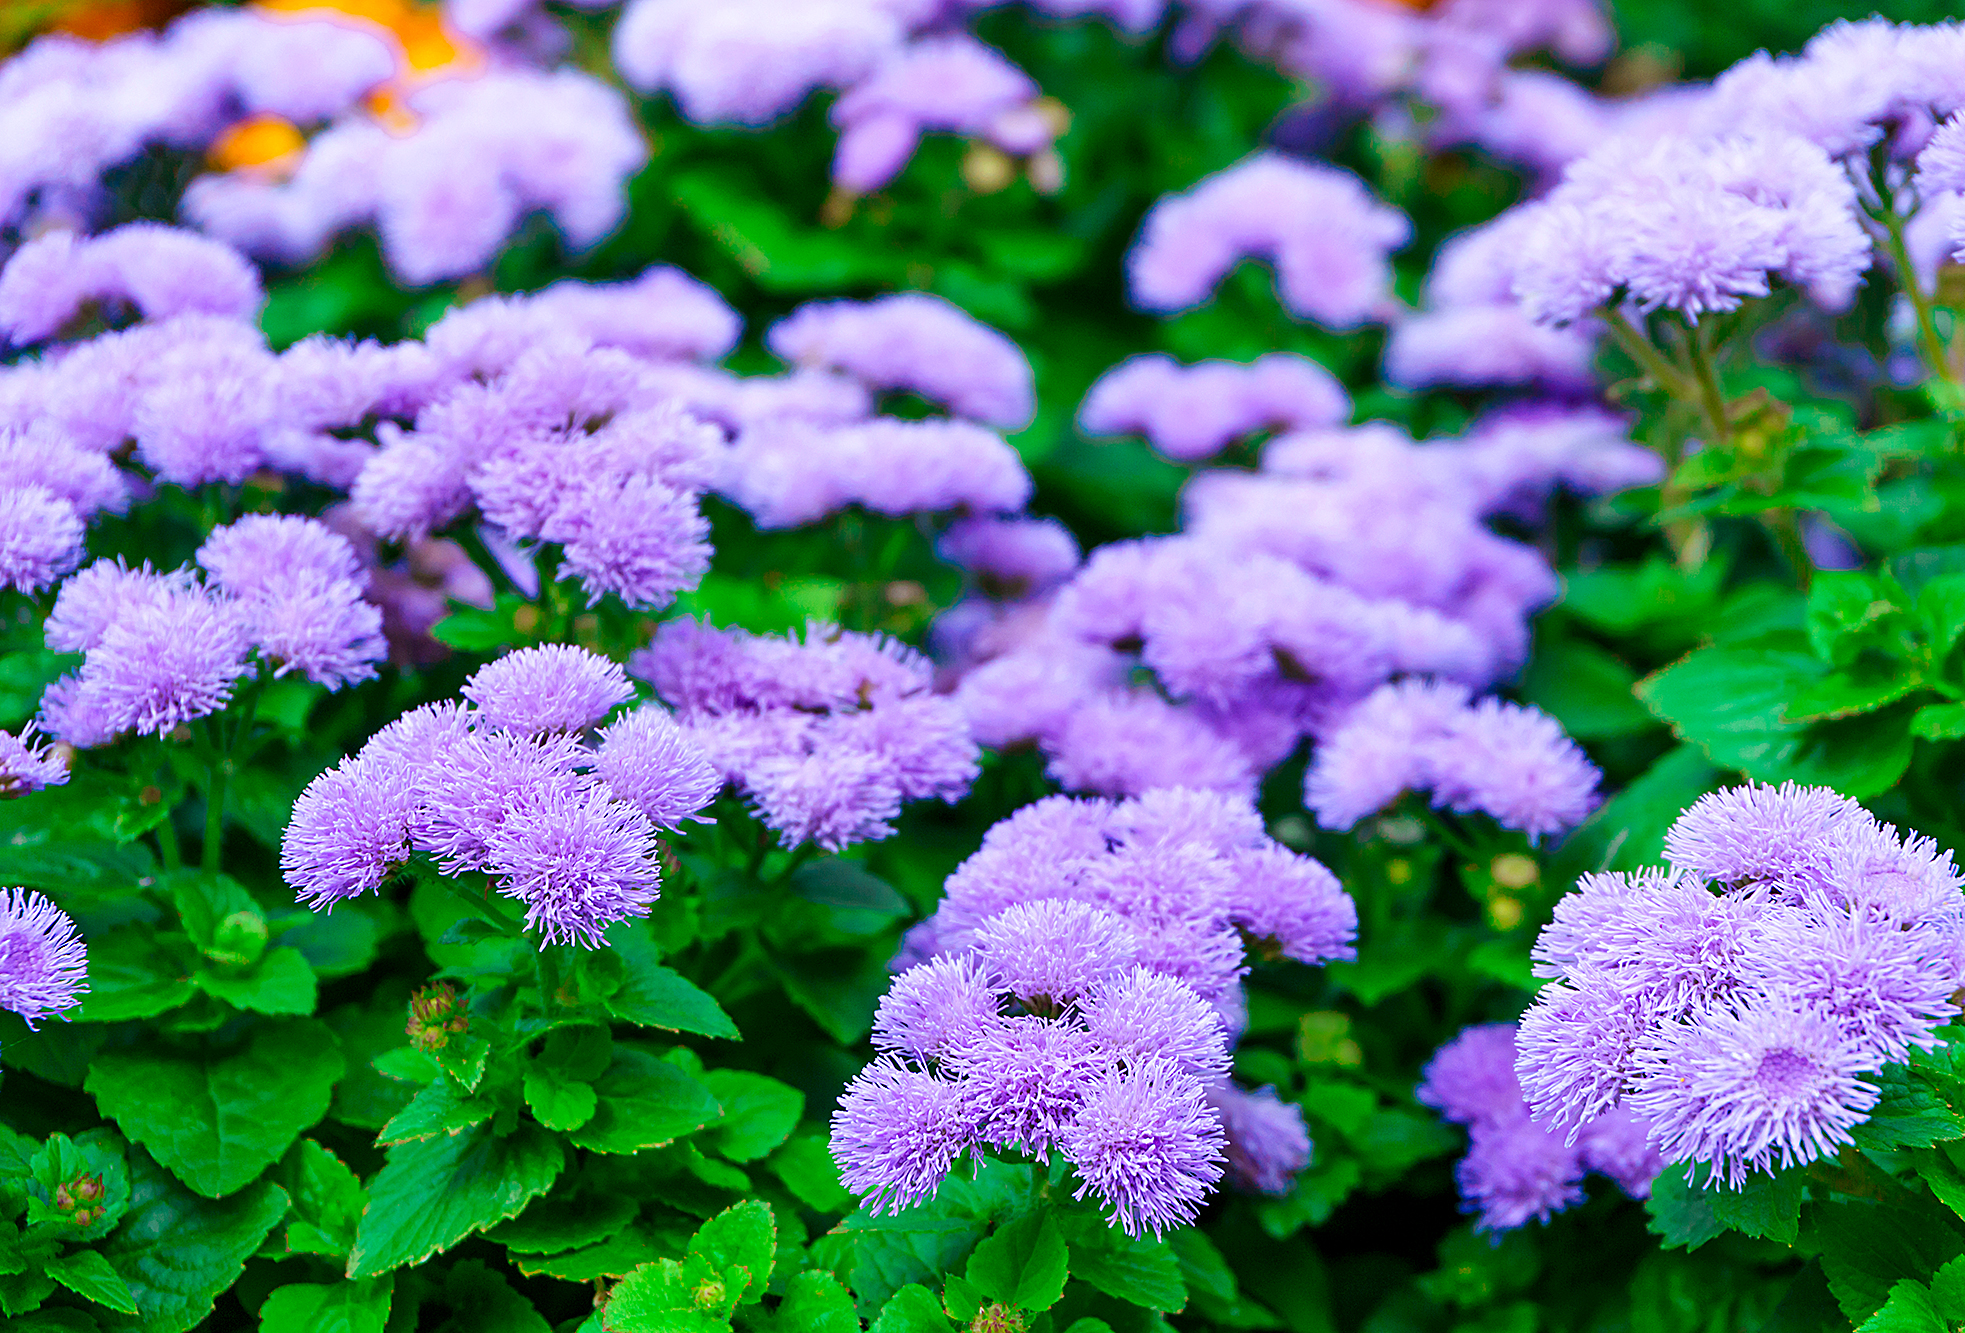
[
  {"x": 349, "y": 831},
  {"x": 26, "y": 767},
  {"x": 937, "y": 1008},
  {"x": 1146, "y": 1014},
  {"x": 555, "y": 687},
  {"x": 1048, "y": 954},
  {"x": 158, "y": 664},
  {"x": 1147, "y": 1143},
  {"x": 578, "y": 859},
  {"x": 1756, "y": 834},
  {"x": 43, "y": 963},
  {"x": 648, "y": 761},
  {"x": 1266, "y": 1139},
  {"x": 897, "y": 1133}
]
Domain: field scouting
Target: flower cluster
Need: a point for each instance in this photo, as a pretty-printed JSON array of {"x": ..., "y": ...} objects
[
  {"x": 1180, "y": 882},
  {"x": 1516, "y": 1171},
  {"x": 1738, "y": 1002},
  {"x": 507, "y": 785},
  {"x": 827, "y": 734},
  {"x": 44, "y": 965},
  {"x": 163, "y": 649},
  {"x": 1352, "y": 557}
]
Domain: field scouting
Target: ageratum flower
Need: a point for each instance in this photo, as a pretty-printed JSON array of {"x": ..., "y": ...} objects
[
  {"x": 555, "y": 687},
  {"x": 300, "y": 587},
  {"x": 1267, "y": 1142},
  {"x": 1147, "y": 1142},
  {"x": 26, "y": 767},
  {"x": 160, "y": 271},
  {"x": 1190, "y": 413},
  {"x": 43, "y": 962}
]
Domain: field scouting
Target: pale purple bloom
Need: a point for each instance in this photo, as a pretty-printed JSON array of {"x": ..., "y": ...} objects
[
  {"x": 1759, "y": 834},
  {"x": 915, "y": 342},
  {"x": 255, "y": 556},
  {"x": 952, "y": 83},
  {"x": 44, "y": 965},
  {"x": 26, "y": 767},
  {"x": 1050, "y": 953},
  {"x": 1514, "y": 763},
  {"x": 662, "y": 314},
  {"x": 1478, "y": 345},
  {"x": 1144, "y": 1015},
  {"x": 555, "y": 687},
  {"x": 639, "y": 539},
  {"x": 1124, "y": 744},
  {"x": 1267, "y": 1142},
  {"x": 201, "y": 420},
  {"x": 1578, "y": 1047},
  {"x": 96, "y": 597},
  {"x": 1761, "y": 1087},
  {"x": 1014, "y": 557},
  {"x": 1888, "y": 988},
  {"x": 1326, "y": 235},
  {"x": 649, "y": 762},
  {"x": 1380, "y": 750},
  {"x": 750, "y": 61},
  {"x": 299, "y": 586},
  {"x": 349, "y": 830},
  {"x": 1290, "y": 906},
  {"x": 1025, "y": 1079},
  {"x": 41, "y": 537},
  {"x": 787, "y": 471},
  {"x": 159, "y": 270},
  {"x": 1517, "y": 1172},
  {"x": 1472, "y": 1078},
  {"x": 1193, "y": 412},
  {"x": 1619, "y": 1145},
  {"x": 923, "y": 741},
  {"x": 1147, "y": 1142},
  {"x": 896, "y": 1133},
  {"x": 577, "y": 858},
  {"x": 39, "y": 454},
  {"x": 157, "y": 665},
  {"x": 833, "y": 797},
  {"x": 940, "y": 1006},
  {"x": 467, "y": 798}
]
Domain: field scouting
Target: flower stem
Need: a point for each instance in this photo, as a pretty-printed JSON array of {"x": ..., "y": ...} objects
[
  {"x": 214, "y": 851},
  {"x": 1711, "y": 399},
  {"x": 1928, "y": 339},
  {"x": 1640, "y": 349}
]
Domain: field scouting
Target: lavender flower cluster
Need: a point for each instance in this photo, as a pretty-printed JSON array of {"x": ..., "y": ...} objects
[
  {"x": 828, "y": 735},
  {"x": 1294, "y": 598},
  {"x": 1077, "y": 990},
  {"x": 507, "y": 785},
  {"x": 1516, "y": 1171},
  {"x": 1740, "y": 1002},
  {"x": 43, "y": 964},
  {"x": 161, "y": 650}
]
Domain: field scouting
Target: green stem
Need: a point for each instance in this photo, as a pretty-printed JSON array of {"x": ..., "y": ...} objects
[
  {"x": 1710, "y": 397},
  {"x": 1785, "y": 528},
  {"x": 221, "y": 771},
  {"x": 1928, "y": 340},
  {"x": 167, "y": 843},
  {"x": 1639, "y": 348},
  {"x": 548, "y": 974}
]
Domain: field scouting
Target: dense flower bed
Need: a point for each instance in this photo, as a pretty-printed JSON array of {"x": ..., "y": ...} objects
[{"x": 1061, "y": 668}]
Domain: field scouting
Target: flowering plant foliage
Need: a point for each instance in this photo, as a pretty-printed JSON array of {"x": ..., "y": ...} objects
[{"x": 1079, "y": 666}]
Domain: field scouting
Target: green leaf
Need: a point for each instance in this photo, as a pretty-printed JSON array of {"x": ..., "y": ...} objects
[
  {"x": 434, "y": 1192},
  {"x": 1023, "y": 1263},
  {"x": 1765, "y": 1207},
  {"x": 654, "y": 996},
  {"x": 89, "y": 1276},
  {"x": 328, "y": 1200},
  {"x": 744, "y": 1236},
  {"x": 1840, "y": 695},
  {"x": 474, "y": 629},
  {"x": 1141, "y": 1271},
  {"x": 1938, "y": 722},
  {"x": 340, "y": 1307},
  {"x": 558, "y": 1102},
  {"x": 553, "y": 1225},
  {"x": 838, "y": 988},
  {"x": 178, "y": 1251},
  {"x": 484, "y": 1302},
  {"x": 1867, "y": 1248},
  {"x": 912, "y": 1309},
  {"x": 1586, "y": 688},
  {"x": 644, "y": 1102},
  {"x": 61, "y": 1160},
  {"x": 806, "y": 1167},
  {"x": 280, "y": 983},
  {"x": 1948, "y": 1289},
  {"x": 1681, "y": 1214},
  {"x": 217, "y": 1123},
  {"x": 759, "y": 1113},
  {"x": 1912, "y": 1113},
  {"x": 130, "y": 976},
  {"x": 1732, "y": 702},
  {"x": 1910, "y": 1309},
  {"x": 617, "y": 1256},
  {"x": 662, "y": 1298},
  {"x": 754, "y": 229},
  {"x": 816, "y": 1303},
  {"x": 340, "y": 943}
]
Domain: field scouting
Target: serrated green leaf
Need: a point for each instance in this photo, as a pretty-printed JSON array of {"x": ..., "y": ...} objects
[
  {"x": 132, "y": 976},
  {"x": 432, "y": 1193},
  {"x": 1137, "y": 1270},
  {"x": 1023, "y": 1263},
  {"x": 217, "y": 1122},
  {"x": 654, "y": 996},
  {"x": 89, "y": 1276},
  {"x": 484, "y": 1302},
  {"x": 340, "y": 1307},
  {"x": 1909, "y": 1309},
  {"x": 177, "y": 1251},
  {"x": 1681, "y": 1214},
  {"x": 555, "y": 1224},
  {"x": 806, "y": 1167},
  {"x": 327, "y": 1197},
  {"x": 744, "y": 1236},
  {"x": 759, "y": 1113},
  {"x": 912, "y": 1309},
  {"x": 661, "y": 1298},
  {"x": 279, "y": 983},
  {"x": 644, "y": 1102},
  {"x": 558, "y": 1102},
  {"x": 617, "y": 1256},
  {"x": 1765, "y": 1207},
  {"x": 816, "y": 1303}
]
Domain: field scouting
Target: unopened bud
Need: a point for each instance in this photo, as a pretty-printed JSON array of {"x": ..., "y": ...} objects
[{"x": 434, "y": 1013}]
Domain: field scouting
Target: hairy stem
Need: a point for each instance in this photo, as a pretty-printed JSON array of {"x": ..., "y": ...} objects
[{"x": 1928, "y": 339}]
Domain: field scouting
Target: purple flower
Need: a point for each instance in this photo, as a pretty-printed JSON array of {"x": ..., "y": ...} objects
[
  {"x": 1128, "y": 743},
  {"x": 788, "y": 471},
  {"x": 257, "y": 555},
  {"x": 483, "y": 779},
  {"x": 1190, "y": 413},
  {"x": 1761, "y": 1087},
  {"x": 1266, "y": 1140},
  {"x": 1620, "y": 1145},
  {"x": 1888, "y": 988},
  {"x": 43, "y": 963},
  {"x": 41, "y": 537},
  {"x": 39, "y": 454},
  {"x": 639, "y": 539},
  {"x": 201, "y": 421},
  {"x": 1220, "y": 821},
  {"x": 299, "y": 585},
  {"x": 98, "y": 596},
  {"x": 832, "y": 797},
  {"x": 1147, "y": 1143},
  {"x": 1479, "y": 345},
  {"x": 1145, "y": 1015},
  {"x": 939, "y": 1007},
  {"x": 160, "y": 270},
  {"x": 1517, "y": 1172},
  {"x": 916, "y": 342},
  {"x": 749, "y": 61},
  {"x": 896, "y": 1133},
  {"x": 1290, "y": 906},
  {"x": 1578, "y": 1048},
  {"x": 1759, "y": 834},
  {"x": 662, "y": 314},
  {"x": 923, "y": 740},
  {"x": 1024, "y": 1080},
  {"x": 1380, "y": 750},
  {"x": 26, "y": 767},
  {"x": 577, "y": 858},
  {"x": 648, "y": 761},
  {"x": 1015, "y": 557},
  {"x": 157, "y": 665},
  {"x": 1051, "y": 953},
  {"x": 350, "y": 829},
  {"x": 1471, "y": 1079},
  {"x": 555, "y": 687},
  {"x": 952, "y": 83},
  {"x": 1326, "y": 235},
  {"x": 1515, "y": 764}
]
